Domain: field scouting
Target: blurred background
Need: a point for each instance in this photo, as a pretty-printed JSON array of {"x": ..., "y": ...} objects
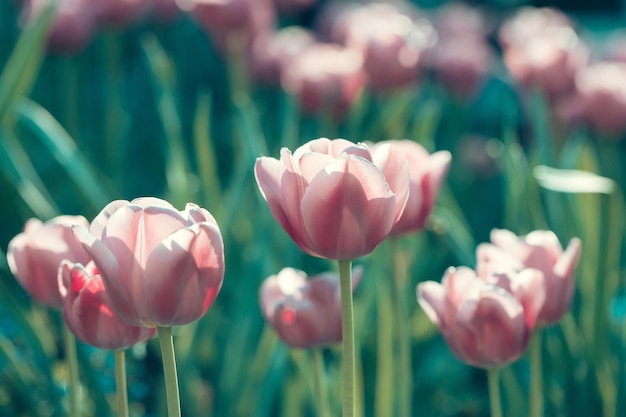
[{"x": 115, "y": 99}]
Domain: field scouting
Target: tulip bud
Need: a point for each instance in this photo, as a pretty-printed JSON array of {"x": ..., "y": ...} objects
[
  {"x": 426, "y": 175},
  {"x": 305, "y": 312},
  {"x": 35, "y": 255},
  {"x": 539, "y": 250},
  {"x": 484, "y": 324},
  {"x": 330, "y": 197},
  {"x": 160, "y": 266},
  {"x": 87, "y": 312}
]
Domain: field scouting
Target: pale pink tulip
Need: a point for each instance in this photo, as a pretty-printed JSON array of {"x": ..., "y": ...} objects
[
  {"x": 304, "y": 311},
  {"x": 427, "y": 173},
  {"x": 330, "y": 198},
  {"x": 539, "y": 250},
  {"x": 325, "y": 77},
  {"x": 485, "y": 324},
  {"x": 35, "y": 255},
  {"x": 87, "y": 312},
  {"x": 160, "y": 266}
]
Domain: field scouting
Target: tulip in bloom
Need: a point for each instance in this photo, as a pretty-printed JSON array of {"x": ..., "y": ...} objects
[
  {"x": 160, "y": 266},
  {"x": 305, "y": 312},
  {"x": 486, "y": 323},
  {"x": 426, "y": 173},
  {"x": 542, "y": 251},
  {"x": 87, "y": 312},
  {"x": 330, "y": 197},
  {"x": 35, "y": 255}
]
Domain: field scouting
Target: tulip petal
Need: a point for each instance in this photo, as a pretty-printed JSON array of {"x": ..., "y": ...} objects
[
  {"x": 348, "y": 209},
  {"x": 97, "y": 225},
  {"x": 184, "y": 275},
  {"x": 431, "y": 296}
]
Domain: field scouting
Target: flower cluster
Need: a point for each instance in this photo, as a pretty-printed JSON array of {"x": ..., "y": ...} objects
[
  {"x": 487, "y": 316},
  {"x": 339, "y": 200},
  {"x": 139, "y": 265}
]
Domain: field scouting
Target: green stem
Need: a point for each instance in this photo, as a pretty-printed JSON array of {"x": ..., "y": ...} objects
[
  {"x": 320, "y": 383},
  {"x": 72, "y": 364},
  {"x": 386, "y": 385},
  {"x": 493, "y": 376},
  {"x": 402, "y": 325},
  {"x": 120, "y": 383},
  {"x": 169, "y": 369},
  {"x": 536, "y": 376},
  {"x": 347, "y": 322}
]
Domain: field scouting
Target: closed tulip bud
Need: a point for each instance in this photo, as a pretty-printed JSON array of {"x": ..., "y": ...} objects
[
  {"x": 484, "y": 324},
  {"x": 304, "y": 311},
  {"x": 541, "y": 251},
  {"x": 325, "y": 77},
  {"x": 87, "y": 312},
  {"x": 160, "y": 266},
  {"x": 426, "y": 174},
  {"x": 330, "y": 197},
  {"x": 35, "y": 255},
  {"x": 273, "y": 52}
]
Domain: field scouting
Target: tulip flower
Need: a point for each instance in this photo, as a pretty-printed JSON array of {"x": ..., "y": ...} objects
[
  {"x": 540, "y": 250},
  {"x": 331, "y": 199},
  {"x": 87, "y": 312},
  {"x": 160, "y": 266},
  {"x": 325, "y": 77},
  {"x": 35, "y": 255},
  {"x": 426, "y": 173},
  {"x": 486, "y": 324},
  {"x": 304, "y": 311}
]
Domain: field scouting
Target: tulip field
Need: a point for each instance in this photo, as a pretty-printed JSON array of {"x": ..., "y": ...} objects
[{"x": 311, "y": 208}]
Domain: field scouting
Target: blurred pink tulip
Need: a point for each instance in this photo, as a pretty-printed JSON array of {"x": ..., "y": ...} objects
[
  {"x": 426, "y": 173},
  {"x": 305, "y": 312},
  {"x": 293, "y": 6},
  {"x": 599, "y": 99},
  {"x": 160, "y": 266},
  {"x": 484, "y": 324},
  {"x": 539, "y": 250},
  {"x": 528, "y": 22},
  {"x": 121, "y": 13},
  {"x": 87, "y": 312},
  {"x": 222, "y": 18},
  {"x": 458, "y": 19},
  {"x": 272, "y": 53},
  {"x": 330, "y": 198},
  {"x": 73, "y": 26},
  {"x": 325, "y": 77},
  {"x": 35, "y": 255},
  {"x": 392, "y": 43}
]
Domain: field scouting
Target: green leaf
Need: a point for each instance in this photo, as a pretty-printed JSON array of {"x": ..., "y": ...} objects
[
  {"x": 572, "y": 180},
  {"x": 59, "y": 143},
  {"x": 23, "y": 64}
]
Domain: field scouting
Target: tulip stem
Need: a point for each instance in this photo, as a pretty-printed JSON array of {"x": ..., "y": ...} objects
[
  {"x": 169, "y": 369},
  {"x": 320, "y": 383},
  {"x": 402, "y": 325},
  {"x": 536, "y": 377},
  {"x": 347, "y": 330},
  {"x": 120, "y": 383},
  {"x": 493, "y": 377},
  {"x": 71, "y": 358}
]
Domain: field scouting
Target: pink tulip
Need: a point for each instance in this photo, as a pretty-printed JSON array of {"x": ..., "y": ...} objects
[
  {"x": 542, "y": 251},
  {"x": 34, "y": 256},
  {"x": 325, "y": 77},
  {"x": 87, "y": 312},
  {"x": 330, "y": 198},
  {"x": 485, "y": 324},
  {"x": 305, "y": 312},
  {"x": 160, "y": 266},
  {"x": 427, "y": 173}
]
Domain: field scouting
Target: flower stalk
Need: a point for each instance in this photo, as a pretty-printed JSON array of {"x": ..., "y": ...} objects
[
  {"x": 169, "y": 369},
  {"x": 536, "y": 376},
  {"x": 348, "y": 347},
  {"x": 493, "y": 377},
  {"x": 320, "y": 383},
  {"x": 72, "y": 364},
  {"x": 120, "y": 383}
]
